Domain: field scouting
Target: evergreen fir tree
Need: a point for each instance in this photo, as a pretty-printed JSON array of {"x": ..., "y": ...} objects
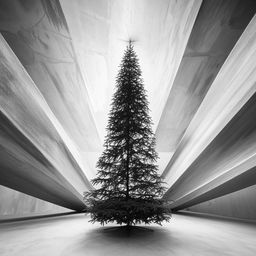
[{"x": 128, "y": 187}]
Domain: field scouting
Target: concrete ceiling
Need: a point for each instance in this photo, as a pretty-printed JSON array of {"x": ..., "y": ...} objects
[{"x": 58, "y": 65}]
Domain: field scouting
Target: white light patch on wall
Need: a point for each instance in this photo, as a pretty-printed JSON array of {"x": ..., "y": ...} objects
[{"x": 100, "y": 34}]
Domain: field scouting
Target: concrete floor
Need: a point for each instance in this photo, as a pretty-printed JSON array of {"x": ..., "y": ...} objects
[{"x": 73, "y": 235}]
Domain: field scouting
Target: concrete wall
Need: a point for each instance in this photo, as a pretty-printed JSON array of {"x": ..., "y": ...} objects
[
  {"x": 37, "y": 157},
  {"x": 219, "y": 143},
  {"x": 16, "y": 204},
  {"x": 218, "y": 26},
  {"x": 240, "y": 204},
  {"x": 45, "y": 110},
  {"x": 37, "y": 33}
]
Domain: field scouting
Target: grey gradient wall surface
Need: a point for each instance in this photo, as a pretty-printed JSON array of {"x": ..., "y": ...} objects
[
  {"x": 15, "y": 204},
  {"x": 58, "y": 60}
]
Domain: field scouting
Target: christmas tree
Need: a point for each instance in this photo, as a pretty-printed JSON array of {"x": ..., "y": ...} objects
[{"x": 128, "y": 188}]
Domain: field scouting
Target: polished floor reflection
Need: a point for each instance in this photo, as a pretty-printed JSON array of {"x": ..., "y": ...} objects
[{"x": 73, "y": 235}]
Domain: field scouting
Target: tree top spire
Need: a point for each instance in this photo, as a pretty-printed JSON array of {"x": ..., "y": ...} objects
[{"x": 131, "y": 41}]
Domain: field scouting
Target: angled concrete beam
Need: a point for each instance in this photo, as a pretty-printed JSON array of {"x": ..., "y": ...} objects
[
  {"x": 234, "y": 145},
  {"x": 239, "y": 204},
  {"x": 231, "y": 89},
  {"x": 17, "y": 204},
  {"x": 37, "y": 156},
  {"x": 237, "y": 178},
  {"x": 226, "y": 165},
  {"x": 180, "y": 27},
  {"x": 217, "y": 28},
  {"x": 38, "y": 34}
]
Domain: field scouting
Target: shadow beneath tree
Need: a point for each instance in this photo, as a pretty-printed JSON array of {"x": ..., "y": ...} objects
[
  {"x": 124, "y": 232},
  {"x": 118, "y": 240}
]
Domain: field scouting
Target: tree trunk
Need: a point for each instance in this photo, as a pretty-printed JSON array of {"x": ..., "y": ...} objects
[{"x": 128, "y": 143}]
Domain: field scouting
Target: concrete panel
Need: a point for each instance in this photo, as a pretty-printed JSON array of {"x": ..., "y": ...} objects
[
  {"x": 226, "y": 165},
  {"x": 231, "y": 89},
  {"x": 37, "y": 33},
  {"x": 229, "y": 155},
  {"x": 15, "y": 205},
  {"x": 37, "y": 156},
  {"x": 217, "y": 28},
  {"x": 239, "y": 177},
  {"x": 240, "y": 204}
]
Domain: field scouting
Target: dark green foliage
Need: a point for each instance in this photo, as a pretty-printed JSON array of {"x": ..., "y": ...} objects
[{"x": 128, "y": 187}]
